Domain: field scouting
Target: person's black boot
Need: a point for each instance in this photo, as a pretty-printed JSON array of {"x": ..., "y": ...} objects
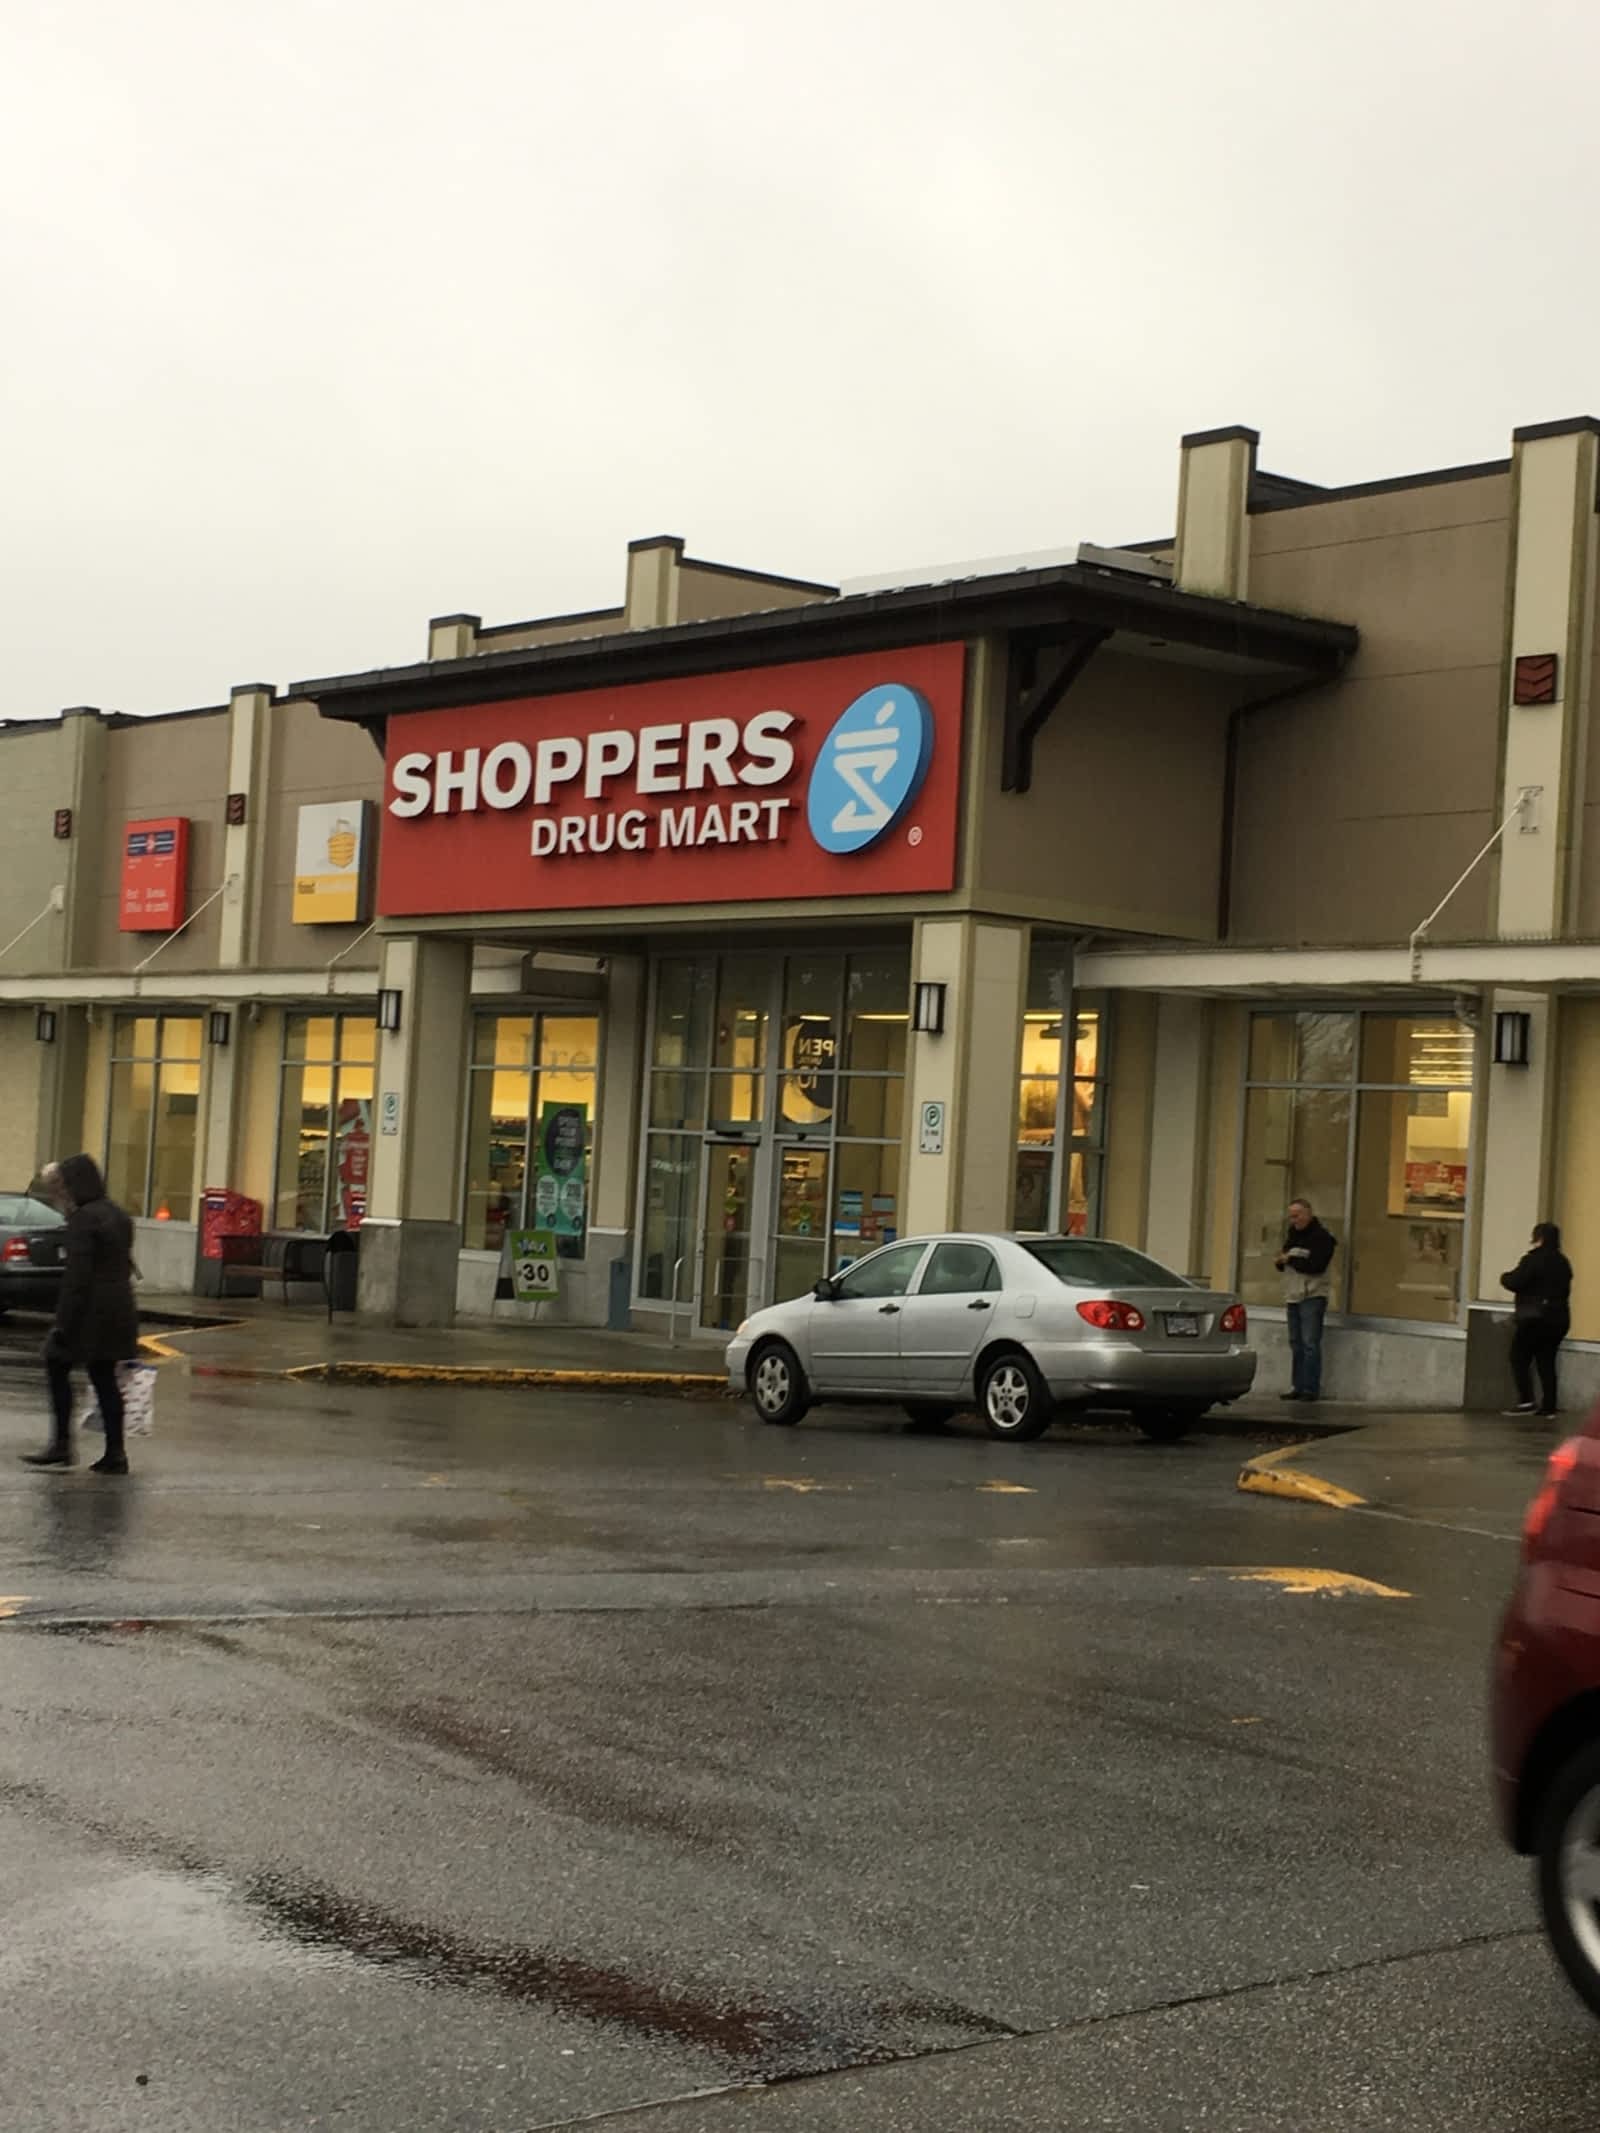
[
  {"x": 52, "y": 1455},
  {"x": 112, "y": 1463}
]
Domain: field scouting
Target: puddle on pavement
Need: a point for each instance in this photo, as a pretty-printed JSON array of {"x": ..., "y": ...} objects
[
  {"x": 753, "y": 2037},
  {"x": 176, "y": 1912}
]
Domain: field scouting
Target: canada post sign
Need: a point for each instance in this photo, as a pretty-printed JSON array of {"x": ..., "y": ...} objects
[{"x": 834, "y": 777}]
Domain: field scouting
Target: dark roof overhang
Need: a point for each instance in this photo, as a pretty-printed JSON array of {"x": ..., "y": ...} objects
[{"x": 1035, "y": 609}]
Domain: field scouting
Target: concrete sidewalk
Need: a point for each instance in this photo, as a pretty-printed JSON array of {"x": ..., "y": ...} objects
[
  {"x": 1472, "y": 1471},
  {"x": 254, "y": 1338}
]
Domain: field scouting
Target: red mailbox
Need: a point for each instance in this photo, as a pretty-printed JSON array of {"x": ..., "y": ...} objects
[{"x": 226, "y": 1214}]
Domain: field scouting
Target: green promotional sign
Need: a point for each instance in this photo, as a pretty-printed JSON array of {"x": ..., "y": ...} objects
[
  {"x": 533, "y": 1264},
  {"x": 561, "y": 1180}
]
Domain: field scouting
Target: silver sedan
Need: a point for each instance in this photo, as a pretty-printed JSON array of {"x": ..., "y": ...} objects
[{"x": 1021, "y": 1327}]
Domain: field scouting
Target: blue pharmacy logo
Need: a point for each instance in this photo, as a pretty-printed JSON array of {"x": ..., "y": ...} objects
[{"x": 870, "y": 768}]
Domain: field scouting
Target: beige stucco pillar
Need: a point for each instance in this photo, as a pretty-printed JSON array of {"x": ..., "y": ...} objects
[
  {"x": 970, "y": 1071},
  {"x": 411, "y": 1239},
  {"x": 1178, "y": 1120},
  {"x": 221, "y": 1104},
  {"x": 1213, "y": 545},
  {"x": 243, "y": 843},
  {"x": 1554, "y": 470},
  {"x": 652, "y": 597},
  {"x": 1518, "y": 1139},
  {"x": 61, "y": 1127},
  {"x": 453, "y": 636}
]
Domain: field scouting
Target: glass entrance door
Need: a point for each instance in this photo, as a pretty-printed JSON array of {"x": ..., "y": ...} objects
[
  {"x": 773, "y": 1126},
  {"x": 727, "y": 1233}
]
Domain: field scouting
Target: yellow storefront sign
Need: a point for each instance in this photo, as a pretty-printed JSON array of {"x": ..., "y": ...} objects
[{"x": 330, "y": 872}]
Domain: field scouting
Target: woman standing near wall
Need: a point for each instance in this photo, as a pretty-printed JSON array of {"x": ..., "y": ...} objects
[{"x": 1541, "y": 1281}]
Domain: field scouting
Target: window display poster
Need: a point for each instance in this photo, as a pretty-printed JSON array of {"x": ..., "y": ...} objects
[
  {"x": 561, "y": 1182},
  {"x": 354, "y": 1161},
  {"x": 1437, "y": 1185}
]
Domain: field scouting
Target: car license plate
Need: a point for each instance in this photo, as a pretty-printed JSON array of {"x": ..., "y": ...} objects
[{"x": 1183, "y": 1325}]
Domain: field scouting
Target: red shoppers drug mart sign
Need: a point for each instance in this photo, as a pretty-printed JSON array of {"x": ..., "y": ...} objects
[{"x": 835, "y": 777}]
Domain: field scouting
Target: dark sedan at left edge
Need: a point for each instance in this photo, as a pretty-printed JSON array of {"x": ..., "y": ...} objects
[{"x": 32, "y": 1234}]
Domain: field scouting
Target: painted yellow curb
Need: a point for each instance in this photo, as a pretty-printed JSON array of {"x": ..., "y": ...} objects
[
  {"x": 161, "y": 1350},
  {"x": 1268, "y": 1475},
  {"x": 685, "y": 1381}
]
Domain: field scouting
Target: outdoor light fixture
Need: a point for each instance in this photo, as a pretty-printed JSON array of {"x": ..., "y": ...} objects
[
  {"x": 219, "y": 1025},
  {"x": 927, "y": 1015},
  {"x": 1512, "y": 1032},
  {"x": 44, "y": 1025},
  {"x": 389, "y": 1008}
]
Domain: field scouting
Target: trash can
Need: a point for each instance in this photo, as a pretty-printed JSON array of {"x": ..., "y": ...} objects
[{"x": 339, "y": 1269}]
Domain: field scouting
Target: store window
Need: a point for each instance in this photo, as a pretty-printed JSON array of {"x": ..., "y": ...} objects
[
  {"x": 1369, "y": 1117},
  {"x": 325, "y": 1095},
  {"x": 530, "y": 1129},
  {"x": 153, "y": 1115},
  {"x": 1057, "y": 1119}
]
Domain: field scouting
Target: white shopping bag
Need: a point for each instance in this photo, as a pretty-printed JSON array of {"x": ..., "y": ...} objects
[{"x": 138, "y": 1383}]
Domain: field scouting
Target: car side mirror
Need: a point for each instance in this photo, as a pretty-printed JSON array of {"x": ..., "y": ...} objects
[{"x": 824, "y": 1292}]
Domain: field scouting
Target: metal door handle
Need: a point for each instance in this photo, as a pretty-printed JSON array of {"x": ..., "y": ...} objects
[
  {"x": 885, "y": 1310},
  {"x": 977, "y": 1304}
]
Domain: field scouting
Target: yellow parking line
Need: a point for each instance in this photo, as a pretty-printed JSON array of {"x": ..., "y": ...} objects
[
  {"x": 12, "y": 1606},
  {"x": 1328, "y": 1583}
]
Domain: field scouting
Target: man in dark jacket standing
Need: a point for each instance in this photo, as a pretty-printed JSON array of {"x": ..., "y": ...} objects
[
  {"x": 1541, "y": 1281},
  {"x": 1304, "y": 1263},
  {"x": 97, "y": 1320}
]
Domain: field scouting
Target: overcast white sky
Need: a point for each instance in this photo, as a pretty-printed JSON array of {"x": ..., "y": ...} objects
[{"x": 323, "y": 316}]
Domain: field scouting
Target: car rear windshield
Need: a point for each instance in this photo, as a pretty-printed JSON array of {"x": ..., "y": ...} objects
[
  {"x": 1091, "y": 1263},
  {"x": 17, "y": 1211}
]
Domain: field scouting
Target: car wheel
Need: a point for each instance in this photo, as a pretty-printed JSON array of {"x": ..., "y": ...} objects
[
  {"x": 928, "y": 1414},
  {"x": 1568, "y": 1852},
  {"x": 1013, "y": 1399},
  {"x": 778, "y": 1385},
  {"x": 1165, "y": 1425}
]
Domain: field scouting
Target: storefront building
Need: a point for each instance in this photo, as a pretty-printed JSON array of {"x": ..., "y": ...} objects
[{"x": 720, "y": 937}]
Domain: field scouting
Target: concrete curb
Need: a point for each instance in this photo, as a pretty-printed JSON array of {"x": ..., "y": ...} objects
[
  {"x": 1270, "y": 1475},
  {"x": 689, "y": 1383}
]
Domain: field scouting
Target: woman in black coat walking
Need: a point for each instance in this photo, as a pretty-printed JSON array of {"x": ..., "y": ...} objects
[
  {"x": 1541, "y": 1281},
  {"x": 97, "y": 1320}
]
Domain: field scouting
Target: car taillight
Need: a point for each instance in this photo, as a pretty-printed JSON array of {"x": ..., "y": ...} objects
[
  {"x": 1236, "y": 1319},
  {"x": 1112, "y": 1317},
  {"x": 1562, "y": 1460},
  {"x": 15, "y": 1248}
]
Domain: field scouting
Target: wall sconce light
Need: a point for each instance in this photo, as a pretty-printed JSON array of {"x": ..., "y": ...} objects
[
  {"x": 44, "y": 1025},
  {"x": 219, "y": 1026},
  {"x": 928, "y": 1010},
  {"x": 389, "y": 1008},
  {"x": 1512, "y": 1037}
]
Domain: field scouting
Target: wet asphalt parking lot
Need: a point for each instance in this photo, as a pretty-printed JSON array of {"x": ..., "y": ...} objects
[{"x": 411, "y": 1759}]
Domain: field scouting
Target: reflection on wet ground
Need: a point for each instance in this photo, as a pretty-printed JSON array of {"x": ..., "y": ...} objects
[{"x": 456, "y": 1760}]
